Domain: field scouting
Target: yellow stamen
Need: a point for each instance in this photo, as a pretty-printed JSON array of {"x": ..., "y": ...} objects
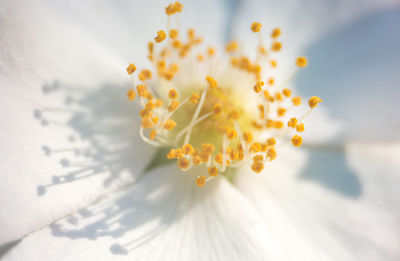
[
  {"x": 183, "y": 163},
  {"x": 301, "y": 61},
  {"x": 172, "y": 94},
  {"x": 131, "y": 95},
  {"x": 257, "y": 166},
  {"x": 256, "y": 27},
  {"x": 131, "y": 68},
  {"x": 297, "y": 140},
  {"x": 276, "y": 33},
  {"x": 160, "y": 36},
  {"x": 169, "y": 124},
  {"x": 300, "y": 127},
  {"x": 313, "y": 102},
  {"x": 213, "y": 171},
  {"x": 201, "y": 181}
]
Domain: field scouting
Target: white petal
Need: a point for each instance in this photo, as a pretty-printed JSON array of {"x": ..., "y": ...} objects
[
  {"x": 164, "y": 217},
  {"x": 47, "y": 71},
  {"x": 317, "y": 216}
]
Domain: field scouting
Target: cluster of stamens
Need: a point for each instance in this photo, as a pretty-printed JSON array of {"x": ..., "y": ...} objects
[{"x": 206, "y": 124}]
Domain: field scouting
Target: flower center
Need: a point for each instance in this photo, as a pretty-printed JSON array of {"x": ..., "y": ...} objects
[{"x": 213, "y": 113}]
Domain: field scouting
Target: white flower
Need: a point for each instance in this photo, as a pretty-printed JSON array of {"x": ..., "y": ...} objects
[{"x": 65, "y": 115}]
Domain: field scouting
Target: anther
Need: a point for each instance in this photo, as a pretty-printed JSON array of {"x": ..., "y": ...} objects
[
  {"x": 256, "y": 27},
  {"x": 160, "y": 36},
  {"x": 201, "y": 181},
  {"x": 276, "y": 33},
  {"x": 131, "y": 68},
  {"x": 301, "y": 61},
  {"x": 313, "y": 102},
  {"x": 213, "y": 171},
  {"x": 297, "y": 140},
  {"x": 131, "y": 95}
]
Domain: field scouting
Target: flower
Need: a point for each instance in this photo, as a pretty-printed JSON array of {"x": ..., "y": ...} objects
[{"x": 163, "y": 216}]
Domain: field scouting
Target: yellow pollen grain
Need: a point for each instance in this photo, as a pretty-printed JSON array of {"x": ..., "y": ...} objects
[
  {"x": 144, "y": 75},
  {"x": 296, "y": 101},
  {"x": 276, "y": 33},
  {"x": 297, "y": 140},
  {"x": 171, "y": 154},
  {"x": 256, "y": 27},
  {"x": 141, "y": 90},
  {"x": 219, "y": 158},
  {"x": 258, "y": 86},
  {"x": 147, "y": 123},
  {"x": 213, "y": 171},
  {"x": 278, "y": 96},
  {"x": 173, "y": 106},
  {"x": 231, "y": 134},
  {"x": 173, "y": 34},
  {"x": 172, "y": 94},
  {"x": 196, "y": 160},
  {"x": 271, "y": 154},
  {"x": 178, "y": 7},
  {"x": 160, "y": 36},
  {"x": 258, "y": 158},
  {"x": 201, "y": 181},
  {"x": 248, "y": 137},
  {"x": 170, "y": 9},
  {"x": 183, "y": 163},
  {"x": 131, "y": 68},
  {"x": 257, "y": 166},
  {"x": 207, "y": 148},
  {"x": 300, "y": 127},
  {"x": 255, "y": 147},
  {"x": 131, "y": 95},
  {"x": 276, "y": 46},
  {"x": 169, "y": 124},
  {"x": 153, "y": 134},
  {"x": 301, "y": 61},
  {"x": 211, "y": 82},
  {"x": 287, "y": 92},
  {"x": 187, "y": 149},
  {"x": 194, "y": 98},
  {"x": 281, "y": 112},
  {"x": 271, "y": 142},
  {"x": 292, "y": 123},
  {"x": 313, "y": 102},
  {"x": 278, "y": 125}
]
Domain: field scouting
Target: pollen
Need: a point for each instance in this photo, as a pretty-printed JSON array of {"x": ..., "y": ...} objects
[
  {"x": 313, "y": 102},
  {"x": 297, "y": 140},
  {"x": 256, "y": 27},
  {"x": 131, "y": 68},
  {"x": 215, "y": 113}
]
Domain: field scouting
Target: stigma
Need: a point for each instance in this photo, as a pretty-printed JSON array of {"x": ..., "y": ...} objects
[{"x": 216, "y": 113}]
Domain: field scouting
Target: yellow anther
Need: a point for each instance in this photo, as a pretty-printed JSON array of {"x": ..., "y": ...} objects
[
  {"x": 231, "y": 46},
  {"x": 144, "y": 75},
  {"x": 179, "y": 154},
  {"x": 276, "y": 33},
  {"x": 255, "y": 147},
  {"x": 183, "y": 163},
  {"x": 168, "y": 76},
  {"x": 271, "y": 153},
  {"x": 273, "y": 63},
  {"x": 287, "y": 92},
  {"x": 159, "y": 103},
  {"x": 258, "y": 86},
  {"x": 172, "y": 94},
  {"x": 212, "y": 82},
  {"x": 169, "y": 124},
  {"x": 234, "y": 115},
  {"x": 145, "y": 113},
  {"x": 213, "y": 171},
  {"x": 141, "y": 90},
  {"x": 196, "y": 160},
  {"x": 258, "y": 158},
  {"x": 271, "y": 81},
  {"x": 176, "y": 44},
  {"x": 257, "y": 166},
  {"x": 170, "y": 9},
  {"x": 271, "y": 142},
  {"x": 248, "y": 137},
  {"x": 262, "y": 111},
  {"x": 313, "y": 102},
  {"x": 201, "y": 181},
  {"x": 173, "y": 33},
  {"x": 194, "y": 98},
  {"x": 281, "y": 112},
  {"x": 173, "y": 106},
  {"x": 149, "y": 106},
  {"x": 301, "y": 61},
  {"x": 161, "y": 65},
  {"x": 217, "y": 109},
  {"x": 147, "y": 123},
  {"x": 150, "y": 47},
  {"x": 210, "y": 51},
  {"x": 178, "y": 7},
  {"x": 207, "y": 148},
  {"x": 278, "y": 96},
  {"x": 219, "y": 158},
  {"x": 269, "y": 123},
  {"x": 160, "y": 36},
  {"x": 234, "y": 62},
  {"x": 200, "y": 57},
  {"x": 262, "y": 49},
  {"x": 256, "y": 27},
  {"x": 174, "y": 68},
  {"x": 276, "y": 46},
  {"x": 191, "y": 34},
  {"x": 231, "y": 134},
  {"x": 300, "y": 127},
  {"x": 131, "y": 95},
  {"x": 153, "y": 134},
  {"x": 267, "y": 96},
  {"x": 149, "y": 96},
  {"x": 296, "y": 101},
  {"x": 278, "y": 124},
  {"x": 297, "y": 140},
  {"x": 171, "y": 154},
  {"x": 187, "y": 149},
  {"x": 131, "y": 68},
  {"x": 155, "y": 119},
  {"x": 292, "y": 123}
]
